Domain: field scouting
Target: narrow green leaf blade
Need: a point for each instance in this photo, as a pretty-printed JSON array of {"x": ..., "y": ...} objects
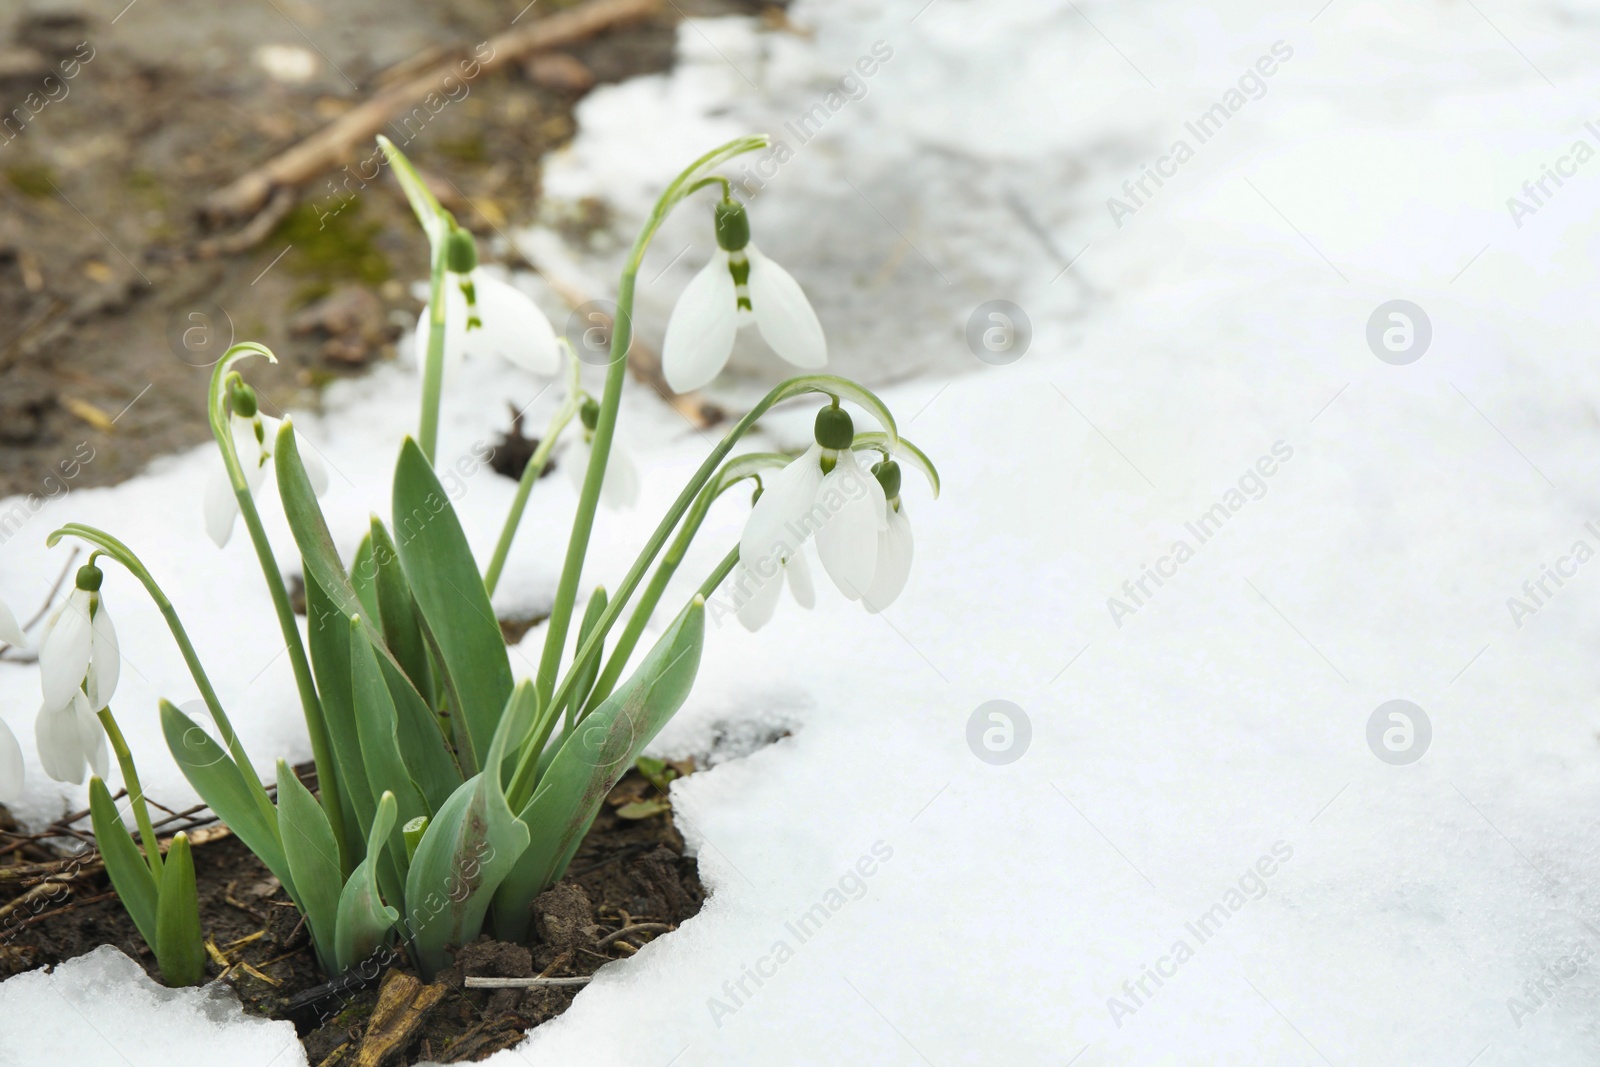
[
  {"x": 130, "y": 874},
  {"x": 313, "y": 855},
  {"x": 422, "y": 742},
  {"x": 469, "y": 846},
  {"x": 449, "y": 590},
  {"x": 364, "y": 922},
  {"x": 214, "y": 776},
  {"x": 178, "y": 947},
  {"x": 377, "y": 726},
  {"x": 310, "y": 529},
  {"x": 364, "y": 576},
  {"x": 594, "y": 756},
  {"x": 328, "y": 633},
  {"x": 398, "y": 618}
]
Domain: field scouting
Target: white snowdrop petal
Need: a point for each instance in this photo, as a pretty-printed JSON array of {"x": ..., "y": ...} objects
[
  {"x": 847, "y": 541},
  {"x": 11, "y": 766},
  {"x": 513, "y": 328},
  {"x": 91, "y": 735},
  {"x": 784, "y": 315},
  {"x": 10, "y": 632},
  {"x": 105, "y": 658},
  {"x": 221, "y": 506},
  {"x": 700, "y": 332},
  {"x": 756, "y": 597},
  {"x": 64, "y": 653},
  {"x": 55, "y": 735},
  {"x": 620, "y": 490},
  {"x": 801, "y": 586},
  {"x": 777, "y": 526},
  {"x": 894, "y": 562}
]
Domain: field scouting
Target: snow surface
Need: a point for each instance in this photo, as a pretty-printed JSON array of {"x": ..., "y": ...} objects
[{"x": 1440, "y": 912}]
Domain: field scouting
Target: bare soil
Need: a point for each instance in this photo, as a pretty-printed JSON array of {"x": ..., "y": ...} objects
[{"x": 629, "y": 872}]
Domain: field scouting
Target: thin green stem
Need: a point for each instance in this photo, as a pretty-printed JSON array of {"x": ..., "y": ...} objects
[
  {"x": 718, "y": 574},
  {"x": 605, "y": 427},
  {"x": 433, "y": 366},
  {"x": 124, "y": 555},
  {"x": 530, "y": 474},
  {"x": 130, "y": 780}
]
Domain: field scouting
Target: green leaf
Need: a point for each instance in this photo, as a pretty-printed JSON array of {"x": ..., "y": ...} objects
[
  {"x": 468, "y": 847},
  {"x": 592, "y": 759},
  {"x": 397, "y": 610},
  {"x": 364, "y": 921},
  {"x": 313, "y": 856},
  {"x": 310, "y": 529},
  {"x": 455, "y": 607},
  {"x": 220, "y": 784},
  {"x": 422, "y": 742},
  {"x": 328, "y": 631},
  {"x": 583, "y": 682},
  {"x": 130, "y": 873},
  {"x": 435, "y": 223},
  {"x": 643, "y": 809},
  {"x": 178, "y": 947},
  {"x": 364, "y": 576},
  {"x": 377, "y": 726}
]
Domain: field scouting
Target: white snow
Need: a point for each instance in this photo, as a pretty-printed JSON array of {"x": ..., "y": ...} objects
[
  {"x": 1440, "y": 912},
  {"x": 103, "y": 1008}
]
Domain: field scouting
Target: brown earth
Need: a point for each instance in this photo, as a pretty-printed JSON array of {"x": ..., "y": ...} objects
[{"x": 629, "y": 872}]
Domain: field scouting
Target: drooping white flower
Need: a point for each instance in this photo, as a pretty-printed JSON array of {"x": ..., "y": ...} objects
[
  {"x": 11, "y": 767},
  {"x": 254, "y": 437},
  {"x": 502, "y": 321},
  {"x": 756, "y": 595},
  {"x": 78, "y": 652},
  {"x": 738, "y": 286},
  {"x": 843, "y": 507},
  {"x": 894, "y": 543},
  {"x": 70, "y": 737},
  {"x": 619, "y": 488},
  {"x": 10, "y": 632}
]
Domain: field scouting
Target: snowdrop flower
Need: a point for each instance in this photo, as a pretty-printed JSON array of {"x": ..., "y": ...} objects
[
  {"x": 894, "y": 543},
  {"x": 738, "y": 286},
  {"x": 70, "y": 737},
  {"x": 78, "y": 649},
  {"x": 254, "y": 435},
  {"x": 757, "y": 595},
  {"x": 484, "y": 316},
  {"x": 78, "y": 669},
  {"x": 825, "y": 493},
  {"x": 620, "y": 487}
]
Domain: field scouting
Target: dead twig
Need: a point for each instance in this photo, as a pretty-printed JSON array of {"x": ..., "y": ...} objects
[
  {"x": 523, "y": 983},
  {"x": 55, "y": 587},
  {"x": 636, "y": 928},
  {"x": 333, "y": 143},
  {"x": 253, "y": 232}
]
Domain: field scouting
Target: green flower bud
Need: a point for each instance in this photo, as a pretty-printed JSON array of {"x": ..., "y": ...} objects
[
  {"x": 460, "y": 252},
  {"x": 888, "y": 475},
  {"x": 834, "y": 429},
  {"x": 733, "y": 226},
  {"x": 242, "y": 399},
  {"x": 90, "y": 577},
  {"x": 589, "y": 413}
]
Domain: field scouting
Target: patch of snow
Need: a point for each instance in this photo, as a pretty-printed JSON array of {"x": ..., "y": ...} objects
[{"x": 101, "y": 1008}]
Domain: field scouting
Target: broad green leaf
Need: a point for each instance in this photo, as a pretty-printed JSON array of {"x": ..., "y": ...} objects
[
  {"x": 130, "y": 874},
  {"x": 448, "y": 588},
  {"x": 364, "y": 576},
  {"x": 422, "y": 742},
  {"x": 310, "y": 529},
  {"x": 397, "y": 611},
  {"x": 594, "y": 756},
  {"x": 329, "y": 636},
  {"x": 364, "y": 921},
  {"x": 216, "y": 778},
  {"x": 468, "y": 847},
  {"x": 178, "y": 947},
  {"x": 313, "y": 855},
  {"x": 377, "y": 726}
]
